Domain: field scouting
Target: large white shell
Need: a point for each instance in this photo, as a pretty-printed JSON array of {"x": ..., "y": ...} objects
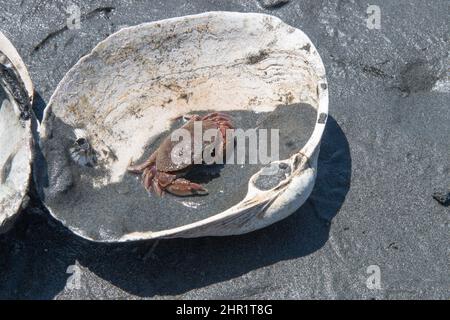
[
  {"x": 15, "y": 136},
  {"x": 129, "y": 87}
]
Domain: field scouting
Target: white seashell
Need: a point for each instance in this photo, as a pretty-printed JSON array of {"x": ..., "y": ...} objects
[
  {"x": 15, "y": 133},
  {"x": 133, "y": 84}
]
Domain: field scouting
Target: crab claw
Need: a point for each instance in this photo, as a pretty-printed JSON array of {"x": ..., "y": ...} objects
[{"x": 183, "y": 187}]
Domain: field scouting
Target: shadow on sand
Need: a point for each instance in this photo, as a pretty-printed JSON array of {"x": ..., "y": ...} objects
[{"x": 36, "y": 253}]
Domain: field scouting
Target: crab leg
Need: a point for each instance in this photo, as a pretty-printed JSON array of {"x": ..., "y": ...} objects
[
  {"x": 147, "y": 178},
  {"x": 216, "y": 116},
  {"x": 140, "y": 167},
  {"x": 183, "y": 187},
  {"x": 157, "y": 187}
]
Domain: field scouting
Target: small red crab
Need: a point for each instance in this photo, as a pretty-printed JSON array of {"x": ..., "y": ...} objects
[{"x": 160, "y": 173}]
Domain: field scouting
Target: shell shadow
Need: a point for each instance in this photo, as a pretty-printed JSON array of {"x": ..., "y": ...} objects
[
  {"x": 38, "y": 106},
  {"x": 38, "y": 252},
  {"x": 174, "y": 266}
]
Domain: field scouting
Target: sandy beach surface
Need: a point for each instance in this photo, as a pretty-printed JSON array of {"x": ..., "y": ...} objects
[{"x": 385, "y": 151}]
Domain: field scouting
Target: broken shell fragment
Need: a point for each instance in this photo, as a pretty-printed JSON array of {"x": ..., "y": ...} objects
[
  {"x": 134, "y": 88},
  {"x": 15, "y": 133}
]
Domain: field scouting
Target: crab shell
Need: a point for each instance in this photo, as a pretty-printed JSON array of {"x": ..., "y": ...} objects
[
  {"x": 164, "y": 159},
  {"x": 158, "y": 71}
]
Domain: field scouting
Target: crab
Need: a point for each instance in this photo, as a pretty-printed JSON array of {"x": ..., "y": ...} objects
[{"x": 160, "y": 174}]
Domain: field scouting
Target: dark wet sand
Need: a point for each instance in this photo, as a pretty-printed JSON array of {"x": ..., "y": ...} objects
[{"x": 384, "y": 153}]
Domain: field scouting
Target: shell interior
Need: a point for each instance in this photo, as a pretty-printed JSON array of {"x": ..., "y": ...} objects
[{"x": 123, "y": 97}]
